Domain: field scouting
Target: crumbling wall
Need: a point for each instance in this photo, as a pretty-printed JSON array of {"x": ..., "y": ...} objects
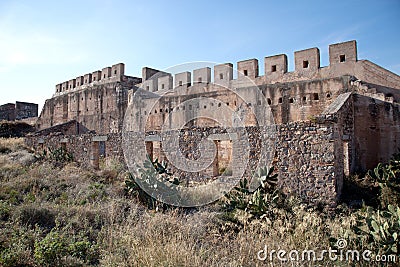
[
  {"x": 7, "y": 112},
  {"x": 83, "y": 147},
  {"x": 99, "y": 108},
  {"x": 376, "y": 131}
]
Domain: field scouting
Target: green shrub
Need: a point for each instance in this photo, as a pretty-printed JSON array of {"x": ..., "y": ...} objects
[
  {"x": 16, "y": 255},
  {"x": 58, "y": 249},
  {"x": 50, "y": 250},
  {"x": 5, "y": 210}
]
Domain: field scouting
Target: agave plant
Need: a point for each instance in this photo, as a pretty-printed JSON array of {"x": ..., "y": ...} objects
[{"x": 267, "y": 178}]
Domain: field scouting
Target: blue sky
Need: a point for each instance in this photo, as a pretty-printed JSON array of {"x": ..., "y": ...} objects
[{"x": 43, "y": 43}]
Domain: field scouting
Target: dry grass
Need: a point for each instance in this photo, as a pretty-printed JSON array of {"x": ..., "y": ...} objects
[{"x": 13, "y": 144}]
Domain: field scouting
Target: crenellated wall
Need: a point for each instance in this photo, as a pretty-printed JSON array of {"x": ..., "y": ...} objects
[
  {"x": 342, "y": 57},
  {"x": 116, "y": 73}
]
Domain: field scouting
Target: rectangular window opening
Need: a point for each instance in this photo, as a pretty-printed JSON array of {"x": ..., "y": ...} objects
[
  {"x": 315, "y": 96},
  {"x": 273, "y": 68},
  {"x": 305, "y": 64},
  {"x": 180, "y": 83},
  {"x": 221, "y": 76},
  {"x": 245, "y": 72},
  {"x": 342, "y": 58}
]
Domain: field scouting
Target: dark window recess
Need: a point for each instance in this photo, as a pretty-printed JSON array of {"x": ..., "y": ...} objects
[
  {"x": 291, "y": 100},
  {"x": 115, "y": 71},
  {"x": 280, "y": 100},
  {"x": 328, "y": 95},
  {"x": 219, "y": 104},
  {"x": 180, "y": 83},
  {"x": 342, "y": 58},
  {"x": 147, "y": 88},
  {"x": 315, "y": 96},
  {"x": 305, "y": 64},
  {"x": 304, "y": 98},
  {"x": 221, "y": 76},
  {"x": 269, "y": 101},
  {"x": 273, "y": 68},
  {"x": 205, "y": 107},
  {"x": 104, "y": 76},
  {"x": 162, "y": 86},
  {"x": 245, "y": 72},
  {"x": 200, "y": 79}
]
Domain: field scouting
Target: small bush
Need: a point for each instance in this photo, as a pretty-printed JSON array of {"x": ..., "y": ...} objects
[
  {"x": 31, "y": 215},
  {"x": 50, "y": 250},
  {"x": 58, "y": 249},
  {"x": 5, "y": 210}
]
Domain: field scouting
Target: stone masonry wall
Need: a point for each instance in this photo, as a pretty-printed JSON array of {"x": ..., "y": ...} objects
[
  {"x": 100, "y": 108},
  {"x": 84, "y": 147},
  {"x": 305, "y": 160}
]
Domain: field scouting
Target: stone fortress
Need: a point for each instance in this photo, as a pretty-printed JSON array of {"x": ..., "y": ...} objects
[{"x": 328, "y": 122}]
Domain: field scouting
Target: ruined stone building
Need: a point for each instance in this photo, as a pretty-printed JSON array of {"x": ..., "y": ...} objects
[
  {"x": 314, "y": 124},
  {"x": 18, "y": 111}
]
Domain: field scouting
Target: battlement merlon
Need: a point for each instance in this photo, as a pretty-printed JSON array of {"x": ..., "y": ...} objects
[{"x": 342, "y": 52}]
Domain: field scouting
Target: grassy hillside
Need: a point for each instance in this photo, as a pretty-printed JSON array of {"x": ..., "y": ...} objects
[{"x": 57, "y": 213}]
